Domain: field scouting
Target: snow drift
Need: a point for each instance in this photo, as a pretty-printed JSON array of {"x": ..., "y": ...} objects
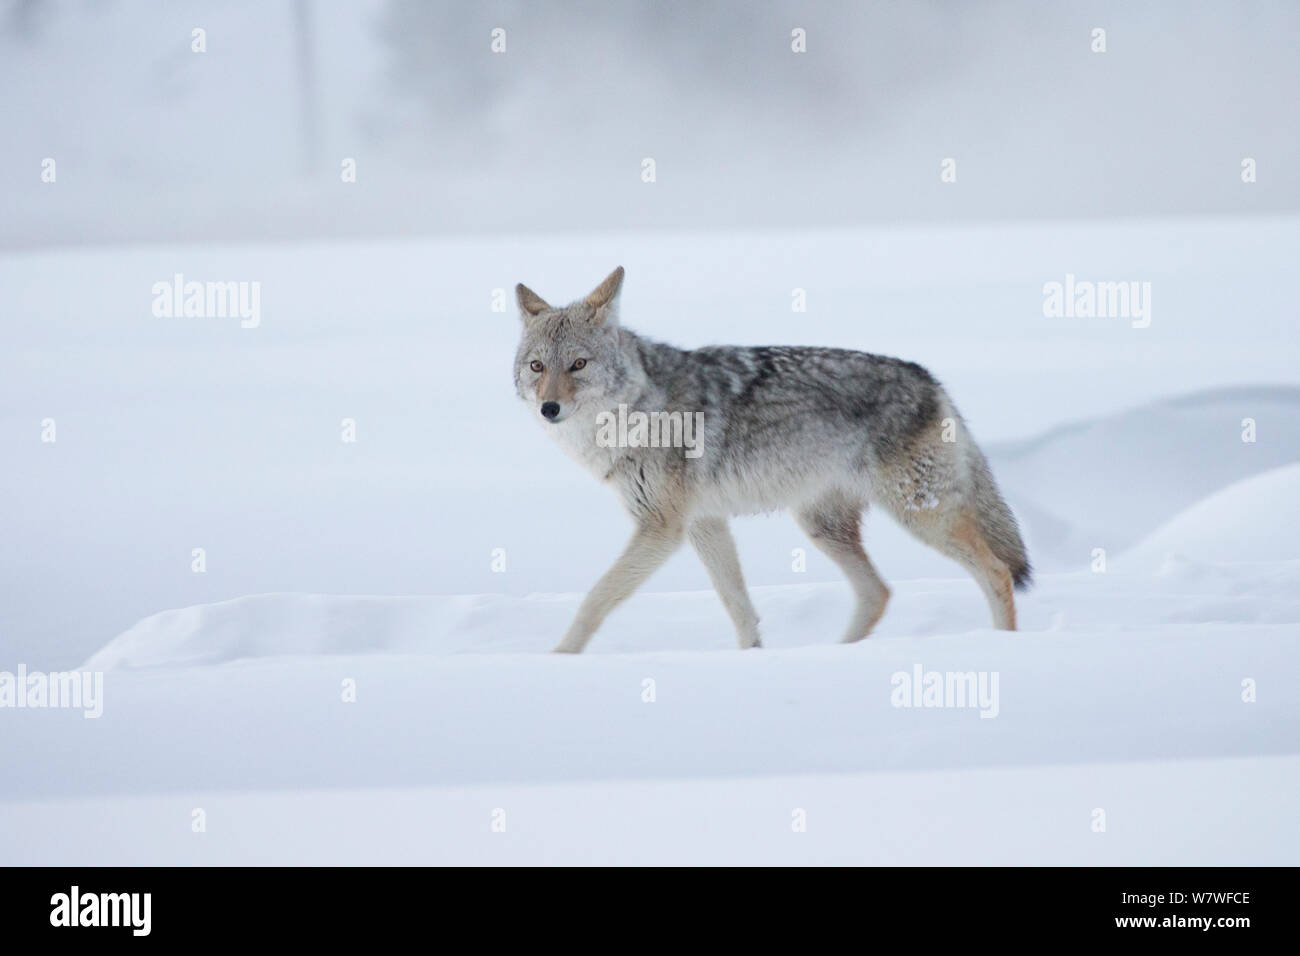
[{"x": 1252, "y": 520}]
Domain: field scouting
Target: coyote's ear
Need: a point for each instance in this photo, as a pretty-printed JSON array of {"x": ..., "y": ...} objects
[
  {"x": 530, "y": 303},
  {"x": 604, "y": 298}
]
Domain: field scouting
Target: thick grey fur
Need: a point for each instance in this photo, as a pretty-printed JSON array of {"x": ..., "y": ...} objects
[{"x": 819, "y": 431}]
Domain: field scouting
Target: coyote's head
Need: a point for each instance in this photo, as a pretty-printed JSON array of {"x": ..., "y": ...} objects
[{"x": 569, "y": 357}]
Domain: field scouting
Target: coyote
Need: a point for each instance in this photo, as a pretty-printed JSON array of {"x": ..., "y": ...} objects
[{"x": 819, "y": 431}]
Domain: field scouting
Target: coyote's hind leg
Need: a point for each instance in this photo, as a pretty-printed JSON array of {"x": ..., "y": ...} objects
[
  {"x": 956, "y": 533},
  {"x": 834, "y": 524}
]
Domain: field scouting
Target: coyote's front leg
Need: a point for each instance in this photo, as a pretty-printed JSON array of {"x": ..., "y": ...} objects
[
  {"x": 652, "y": 544},
  {"x": 713, "y": 543}
]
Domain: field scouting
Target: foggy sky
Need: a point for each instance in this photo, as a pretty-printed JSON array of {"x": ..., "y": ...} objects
[{"x": 153, "y": 141}]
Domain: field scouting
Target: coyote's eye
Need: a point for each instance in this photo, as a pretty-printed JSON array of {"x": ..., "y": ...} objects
[
  {"x": 578, "y": 365},
  {"x": 536, "y": 366}
]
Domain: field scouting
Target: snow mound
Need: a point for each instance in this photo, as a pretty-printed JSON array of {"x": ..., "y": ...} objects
[
  {"x": 1254, "y": 520},
  {"x": 1111, "y": 481},
  {"x": 275, "y": 625},
  {"x": 268, "y": 625},
  {"x": 797, "y": 616}
]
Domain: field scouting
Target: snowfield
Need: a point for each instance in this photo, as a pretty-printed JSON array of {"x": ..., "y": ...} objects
[
  {"x": 322, "y": 729},
  {"x": 350, "y": 680},
  {"x": 1253, "y": 520},
  {"x": 1124, "y": 694},
  {"x": 1192, "y": 812}
]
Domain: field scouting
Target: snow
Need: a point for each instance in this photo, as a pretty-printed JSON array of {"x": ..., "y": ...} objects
[
  {"x": 1254, "y": 520},
  {"x": 176, "y": 434},
  {"x": 793, "y": 616},
  {"x": 1124, "y": 693},
  {"x": 1193, "y": 812},
  {"x": 1157, "y": 687},
  {"x": 1110, "y": 481},
  {"x": 154, "y": 141}
]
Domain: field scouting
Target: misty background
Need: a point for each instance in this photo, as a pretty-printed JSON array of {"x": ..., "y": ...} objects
[
  {"x": 153, "y": 141},
  {"x": 386, "y": 301}
]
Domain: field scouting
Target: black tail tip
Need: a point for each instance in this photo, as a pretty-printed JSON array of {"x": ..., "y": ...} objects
[{"x": 1023, "y": 577}]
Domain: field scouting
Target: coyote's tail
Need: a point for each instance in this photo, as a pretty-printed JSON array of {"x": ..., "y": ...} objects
[{"x": 998, "y": 524}]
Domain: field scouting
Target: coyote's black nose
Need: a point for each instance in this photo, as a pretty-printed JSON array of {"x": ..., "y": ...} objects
[{"x": 550, "y": 410}]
